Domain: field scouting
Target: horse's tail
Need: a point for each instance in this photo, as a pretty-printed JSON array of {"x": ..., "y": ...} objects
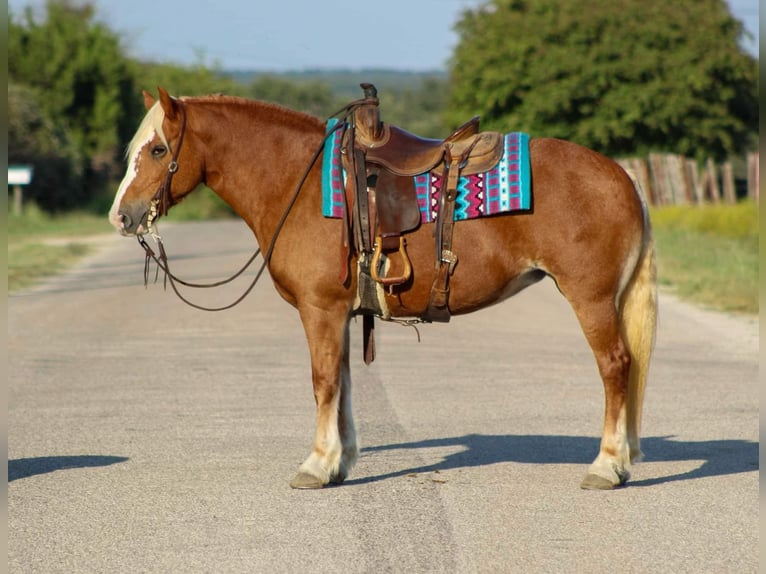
[{"x": 638, "y": 318}]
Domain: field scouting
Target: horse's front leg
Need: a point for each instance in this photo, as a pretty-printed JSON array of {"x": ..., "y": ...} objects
[{"x": 335, "y": 449}]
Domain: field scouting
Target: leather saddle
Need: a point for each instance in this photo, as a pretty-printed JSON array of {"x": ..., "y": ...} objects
[{"x": 381, "y": 161}]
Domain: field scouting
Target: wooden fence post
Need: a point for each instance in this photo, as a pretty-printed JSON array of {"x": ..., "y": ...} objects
[
  {"x": 671, "y": 179},
  {"x": 727, "y": 177},
  {"x": 659, "y": 179},
  {"x": 753, "y": 176},
  {"x": 711, "y": 176},
  {"x": 693, "y": 177}
]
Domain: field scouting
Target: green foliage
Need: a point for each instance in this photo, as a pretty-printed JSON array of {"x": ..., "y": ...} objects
[
  {"x": 709, "y": 254},
  {"x": 79, "y": 72},
  {"x": 74, "y": 88},
  {"x": 620, "y": 77},
  {"x": 29, "y": 262},
  {"x": 313, "y": 97},
  {"x": 738, "y": 221},
  {"x": 34, "y": 224},
  {"x": 416, "y": 109},
  {"x": 40, "y": 245},
  {"x": 201, "y": 204},
  {"x": 181, "y": 81},
  {"x": 36, "y": 139}
]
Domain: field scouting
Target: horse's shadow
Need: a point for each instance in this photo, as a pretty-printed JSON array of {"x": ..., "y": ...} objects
[
  {"x": 719, "y": 457},
  {"x": 26, "y": 467}
]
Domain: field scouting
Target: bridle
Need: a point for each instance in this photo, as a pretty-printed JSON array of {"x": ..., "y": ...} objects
[
  {"x": 163, "y": 200},
  {"x": 160, "y": 204}
]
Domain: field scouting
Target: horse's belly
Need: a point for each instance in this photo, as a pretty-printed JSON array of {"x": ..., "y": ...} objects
[
  {"x": 471, "y": 289},
  {"x": 471, "y": 295}
]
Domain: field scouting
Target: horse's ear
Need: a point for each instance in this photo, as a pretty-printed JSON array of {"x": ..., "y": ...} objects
[
  {"x": 148, "y": 100},
  {"x": 169, "y": 105}
]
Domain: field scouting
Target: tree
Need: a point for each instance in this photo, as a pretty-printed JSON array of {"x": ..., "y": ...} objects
[
  {"x": 80, "y": 78},
  {"x": 311, "y": 96},
  {"x": 620, "y": 77},
  {"x": 417, "y": 109},
  {"x": 33, "y": 138},
  {"x": 197, "y": 80}
]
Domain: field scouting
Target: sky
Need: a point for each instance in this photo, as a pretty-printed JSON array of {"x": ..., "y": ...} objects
[{"x": 292, "y": 35}]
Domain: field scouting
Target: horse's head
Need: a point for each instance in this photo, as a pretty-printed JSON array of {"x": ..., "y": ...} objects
[{"x": 162, "y": 167}]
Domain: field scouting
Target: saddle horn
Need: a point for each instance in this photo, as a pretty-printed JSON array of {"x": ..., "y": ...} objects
[{"x": 367, "y": 116}]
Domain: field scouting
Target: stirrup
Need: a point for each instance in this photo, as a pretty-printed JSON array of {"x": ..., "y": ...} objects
[{"x": 375, "y": 263}]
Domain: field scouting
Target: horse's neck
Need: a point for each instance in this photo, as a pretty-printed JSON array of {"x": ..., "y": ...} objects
[{"x": 249, "y": 147}]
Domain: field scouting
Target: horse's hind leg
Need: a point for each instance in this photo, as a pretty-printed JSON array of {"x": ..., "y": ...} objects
[
  {"x": 335, "y": 449},
  {"x": 600, "y": 323}
]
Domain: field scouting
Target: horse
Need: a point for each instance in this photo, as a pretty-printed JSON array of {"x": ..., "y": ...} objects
[{"x": 588, "y": 230}]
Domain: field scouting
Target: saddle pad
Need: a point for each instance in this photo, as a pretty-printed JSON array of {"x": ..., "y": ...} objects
[{"x": 504, "y": 188}]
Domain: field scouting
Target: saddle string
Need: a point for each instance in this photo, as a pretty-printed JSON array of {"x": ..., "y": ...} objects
[{"x": 163, "y": 198}]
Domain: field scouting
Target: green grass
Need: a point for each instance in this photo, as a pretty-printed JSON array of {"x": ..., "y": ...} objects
[
  {"x": 738, "y": 221},
  {"x": 709, "y": 254},
  {"x": 30, "y": 262},
  {"x": 37, "y": 224},
  {"x": 41, "y": 244}
]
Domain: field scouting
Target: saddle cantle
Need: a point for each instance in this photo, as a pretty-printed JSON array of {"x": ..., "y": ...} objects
[{"x": 404, "y": 153}]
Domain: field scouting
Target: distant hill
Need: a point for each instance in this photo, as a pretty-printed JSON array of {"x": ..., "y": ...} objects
[{"x": 345, "y": 83}]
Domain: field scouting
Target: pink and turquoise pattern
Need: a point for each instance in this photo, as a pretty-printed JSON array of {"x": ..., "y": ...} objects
[
  {"x": 503, "y": 189},
  {"x": 333, "y": 176}
]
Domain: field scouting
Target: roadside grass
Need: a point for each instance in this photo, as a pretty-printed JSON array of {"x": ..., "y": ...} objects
[
  {"x": 707, "y": 255},
  {"x": 41, "y": 245},
  {"x": 30, "y": 262}
]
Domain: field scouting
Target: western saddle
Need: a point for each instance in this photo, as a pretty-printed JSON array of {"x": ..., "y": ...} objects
[{"x": 381, "y": 161}]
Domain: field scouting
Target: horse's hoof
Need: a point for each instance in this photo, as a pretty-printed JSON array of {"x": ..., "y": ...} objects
[
  {"x": 596, "y": 482},
  {"x": 305, "y": 481}
]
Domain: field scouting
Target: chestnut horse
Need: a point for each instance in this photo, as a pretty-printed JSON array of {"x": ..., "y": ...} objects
[{"x": 589, "y": 230}]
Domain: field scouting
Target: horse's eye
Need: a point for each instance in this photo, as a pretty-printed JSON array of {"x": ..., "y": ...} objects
[{"x": 159, "y": 151}]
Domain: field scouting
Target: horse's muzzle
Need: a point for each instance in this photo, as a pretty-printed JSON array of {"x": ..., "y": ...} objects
[{"x": 131, "y": 224}]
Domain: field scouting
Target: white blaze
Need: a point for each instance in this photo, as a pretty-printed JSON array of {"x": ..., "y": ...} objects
[{"x": 130, "y": 175}]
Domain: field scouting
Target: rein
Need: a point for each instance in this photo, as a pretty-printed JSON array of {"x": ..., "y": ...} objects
[{"x": 163, "y": 201}]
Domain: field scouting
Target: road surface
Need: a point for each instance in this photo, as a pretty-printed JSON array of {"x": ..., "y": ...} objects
[{"x": 146, "y": 436}]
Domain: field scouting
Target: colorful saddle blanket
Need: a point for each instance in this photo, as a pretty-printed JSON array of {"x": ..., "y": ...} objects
[{"x": 504, "y": 188}]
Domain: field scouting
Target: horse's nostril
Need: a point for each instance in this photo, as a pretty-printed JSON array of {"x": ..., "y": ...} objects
[{"x": 127, "y": 222}]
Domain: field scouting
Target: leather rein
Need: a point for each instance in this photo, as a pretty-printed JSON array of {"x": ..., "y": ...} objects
[{"x": 163, "y": 201}]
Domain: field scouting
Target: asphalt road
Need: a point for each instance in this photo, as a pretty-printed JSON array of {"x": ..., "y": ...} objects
[{"x": 145, "y": 436}]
